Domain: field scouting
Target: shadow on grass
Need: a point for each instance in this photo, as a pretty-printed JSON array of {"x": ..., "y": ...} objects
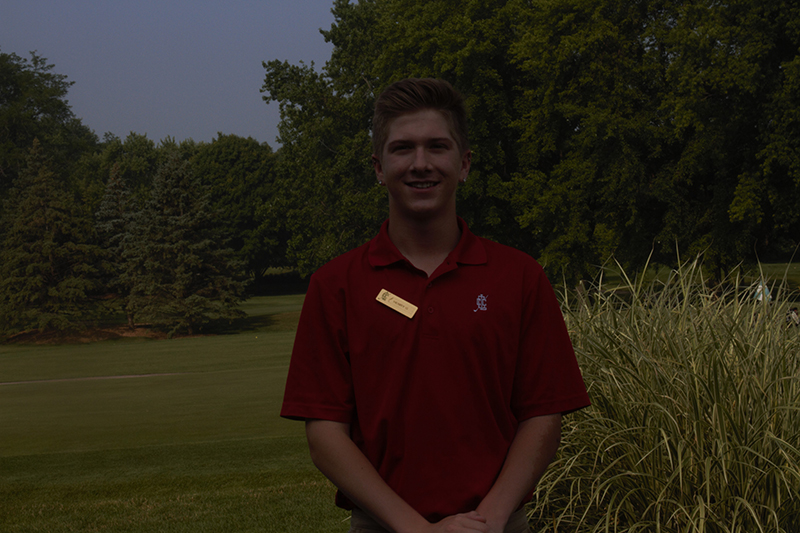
[
  {"x": 255, "y": 323},
  {"x": 259, "y": 323}
]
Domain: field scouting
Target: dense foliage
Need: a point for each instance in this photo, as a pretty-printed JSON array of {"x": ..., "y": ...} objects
[
  {"x": 177, "y": 269},
  {"x": 48, "y": 261},
  {"x": 33, "y": 106},
  {"x": 598, "y": 127},
  {"x": 92, "y": 228}
]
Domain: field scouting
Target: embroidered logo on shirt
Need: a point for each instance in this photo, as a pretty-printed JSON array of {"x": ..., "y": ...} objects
[{"x": 481, "y": 303}]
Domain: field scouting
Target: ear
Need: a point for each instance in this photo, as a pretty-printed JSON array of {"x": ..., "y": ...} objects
[
  {"x": 466, "y": 163},
  {"x": 376, "y": 164}
]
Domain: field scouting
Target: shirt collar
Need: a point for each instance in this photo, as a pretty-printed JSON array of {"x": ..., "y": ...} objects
[{"x": 468, "y": 251}]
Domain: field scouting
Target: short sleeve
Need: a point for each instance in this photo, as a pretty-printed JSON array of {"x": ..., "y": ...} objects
[
  {"x": 547, "y": 378},
  {"x": 319, "y": 382}
]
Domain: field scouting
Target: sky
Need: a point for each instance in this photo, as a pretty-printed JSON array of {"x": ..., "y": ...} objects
[{"x": 179, "y": 68}]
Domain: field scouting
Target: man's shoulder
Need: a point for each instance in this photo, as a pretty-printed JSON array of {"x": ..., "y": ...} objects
[
  {"x": 503, "y": 254},
  {"x": 339, "y": 266}
]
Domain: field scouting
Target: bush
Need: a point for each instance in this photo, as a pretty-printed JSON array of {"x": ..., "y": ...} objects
[{"x": 694, "y": 422}]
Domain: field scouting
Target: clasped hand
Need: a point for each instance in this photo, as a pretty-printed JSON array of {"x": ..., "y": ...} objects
[{"x": 466, "y": 522}]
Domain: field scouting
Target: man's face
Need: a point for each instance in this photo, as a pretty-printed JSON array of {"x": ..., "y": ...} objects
[{"x": 421, "y": 165}]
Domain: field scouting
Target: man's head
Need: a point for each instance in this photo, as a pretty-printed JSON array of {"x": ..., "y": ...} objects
[{"x": 416, "y": 94}]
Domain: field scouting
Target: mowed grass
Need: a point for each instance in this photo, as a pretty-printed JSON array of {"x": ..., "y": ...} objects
[
  {"x": 694, "y": 424},
  {"x": 171, "y": 435}
]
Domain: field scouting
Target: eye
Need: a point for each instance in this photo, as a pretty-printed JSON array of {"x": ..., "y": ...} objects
[{"x": 400, "y": 147}]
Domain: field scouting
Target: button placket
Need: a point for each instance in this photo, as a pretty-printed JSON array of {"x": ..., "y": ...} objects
[{"x": 430, "y": 321}]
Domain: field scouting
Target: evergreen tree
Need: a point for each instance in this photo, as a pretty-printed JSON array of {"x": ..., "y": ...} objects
[
  {"x": 180, "y": 274},
  {"x": 48, "y": 262},
  {"x": 113, "y": 224}
]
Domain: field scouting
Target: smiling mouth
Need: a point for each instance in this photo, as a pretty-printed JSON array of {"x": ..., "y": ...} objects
[{"x": 422, "y": 185}]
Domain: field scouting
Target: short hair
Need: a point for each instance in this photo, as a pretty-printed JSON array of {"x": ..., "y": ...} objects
[{"x": 416, "y": 94}]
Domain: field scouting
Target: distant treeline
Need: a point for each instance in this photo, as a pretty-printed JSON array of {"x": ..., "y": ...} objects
[
  {"x": 168, "y": 234},
  {"x": 599, "y": 128}
]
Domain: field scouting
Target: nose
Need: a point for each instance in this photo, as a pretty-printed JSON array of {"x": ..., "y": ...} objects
[{"x": 420, "y": 161}]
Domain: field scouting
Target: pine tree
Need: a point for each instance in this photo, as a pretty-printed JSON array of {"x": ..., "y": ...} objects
[
  {"x": 113, "y": 222},
  {"x": 180, "y": 274},
  {"x": 48, "y": 262}
]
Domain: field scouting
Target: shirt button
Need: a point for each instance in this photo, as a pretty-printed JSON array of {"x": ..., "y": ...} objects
[
  {"x": 430, "y": 284},
  {"x": 430, "y": 310}
]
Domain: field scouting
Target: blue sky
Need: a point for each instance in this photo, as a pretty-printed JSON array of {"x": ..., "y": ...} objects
[{"x": 170, "y": 67}]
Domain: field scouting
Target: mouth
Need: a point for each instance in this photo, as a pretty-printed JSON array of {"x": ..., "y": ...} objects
[{"x": 422, "y": 184}]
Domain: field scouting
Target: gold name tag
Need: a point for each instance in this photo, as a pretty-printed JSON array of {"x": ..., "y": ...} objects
[{"x": 395, "y": 302}]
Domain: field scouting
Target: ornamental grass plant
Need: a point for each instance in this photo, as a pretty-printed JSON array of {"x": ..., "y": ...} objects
[{"x": 694, "y": 424}]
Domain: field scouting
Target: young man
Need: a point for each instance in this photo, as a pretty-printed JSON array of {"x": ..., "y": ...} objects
[{"x": 431, "y": 366}]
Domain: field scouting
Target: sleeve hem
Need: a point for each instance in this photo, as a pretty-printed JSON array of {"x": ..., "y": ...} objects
[
  {"x": 305, "y": 412},
  {"x": 564, "y": 406}
]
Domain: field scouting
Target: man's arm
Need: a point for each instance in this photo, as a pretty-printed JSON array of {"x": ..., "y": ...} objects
[
  {"x": 533, "y": 448},
  {"x": 340, "y": 460}
]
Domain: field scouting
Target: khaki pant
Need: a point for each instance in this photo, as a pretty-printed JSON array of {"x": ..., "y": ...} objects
[{"x": 361, "y": 522}]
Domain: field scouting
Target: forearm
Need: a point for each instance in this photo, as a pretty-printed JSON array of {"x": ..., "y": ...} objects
[
  {"x": 340, "y": 460},
  {"x": 533, "y": 448}
]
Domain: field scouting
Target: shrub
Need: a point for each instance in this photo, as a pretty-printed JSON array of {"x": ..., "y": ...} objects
[{"x": 694, "y": 423}]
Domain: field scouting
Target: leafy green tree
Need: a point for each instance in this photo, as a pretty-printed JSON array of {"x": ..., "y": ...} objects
[
  {"x": 599, "y": 128},
  {"x": 33, "y": 106},
  {"x": 48, "y": 262},
  {"x": 238, "y": 173},
  {"x": 779, "y": 175},
  {"x": 325, "y": 194},
  {"x": 589, "y": 125},
  {"x": 643, "y": 127},
  {"x": 726, "y": 65},
  {"x": 326, "y": 119},
  {"x": 138, "y": 159},
  {"x": 180, "y": 273},
  {"x": 467, "y": 43}
]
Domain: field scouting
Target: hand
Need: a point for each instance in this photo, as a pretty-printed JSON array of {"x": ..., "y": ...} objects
[
  {"x": 468, "y": 523},
  {"x": 495, "y": 524}
]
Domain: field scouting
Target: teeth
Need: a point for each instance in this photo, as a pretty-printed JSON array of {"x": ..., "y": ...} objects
[{"x": 425, "y": 185}]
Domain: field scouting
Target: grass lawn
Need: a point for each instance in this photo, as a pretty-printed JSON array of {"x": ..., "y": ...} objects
[
  {"x": 170, "y": 435},
  {"x": 143, "y": 435}
]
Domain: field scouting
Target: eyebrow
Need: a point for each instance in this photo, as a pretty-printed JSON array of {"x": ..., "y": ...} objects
[{"x": 431, "y": 140}]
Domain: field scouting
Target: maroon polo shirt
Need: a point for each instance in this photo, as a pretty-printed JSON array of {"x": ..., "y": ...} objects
[{"x": 434, "y": 400}]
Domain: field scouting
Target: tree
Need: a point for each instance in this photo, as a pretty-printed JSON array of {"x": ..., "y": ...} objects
[
  {"x": 113, "y": 223},
  {"x": 325, "y": 195},
  {"x": 48, "y": 262},
  {"x": 181, "y": 275},
  {"x": 611, "y": 127},
  {"x": 238, "y": 173},
  {"x": 727, "y": 65},
  {"x": 467, "y": 43},
  {"x": 589, "y": 126},
  {"x": 137, "y": 159},
  {"x": 33, "y": 106},
  {"x": 645, "y": 127},
  {"x": 326, "y": 118}
]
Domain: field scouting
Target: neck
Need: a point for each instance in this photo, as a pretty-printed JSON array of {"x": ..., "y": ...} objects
[{"x": 425, "y": 243}]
